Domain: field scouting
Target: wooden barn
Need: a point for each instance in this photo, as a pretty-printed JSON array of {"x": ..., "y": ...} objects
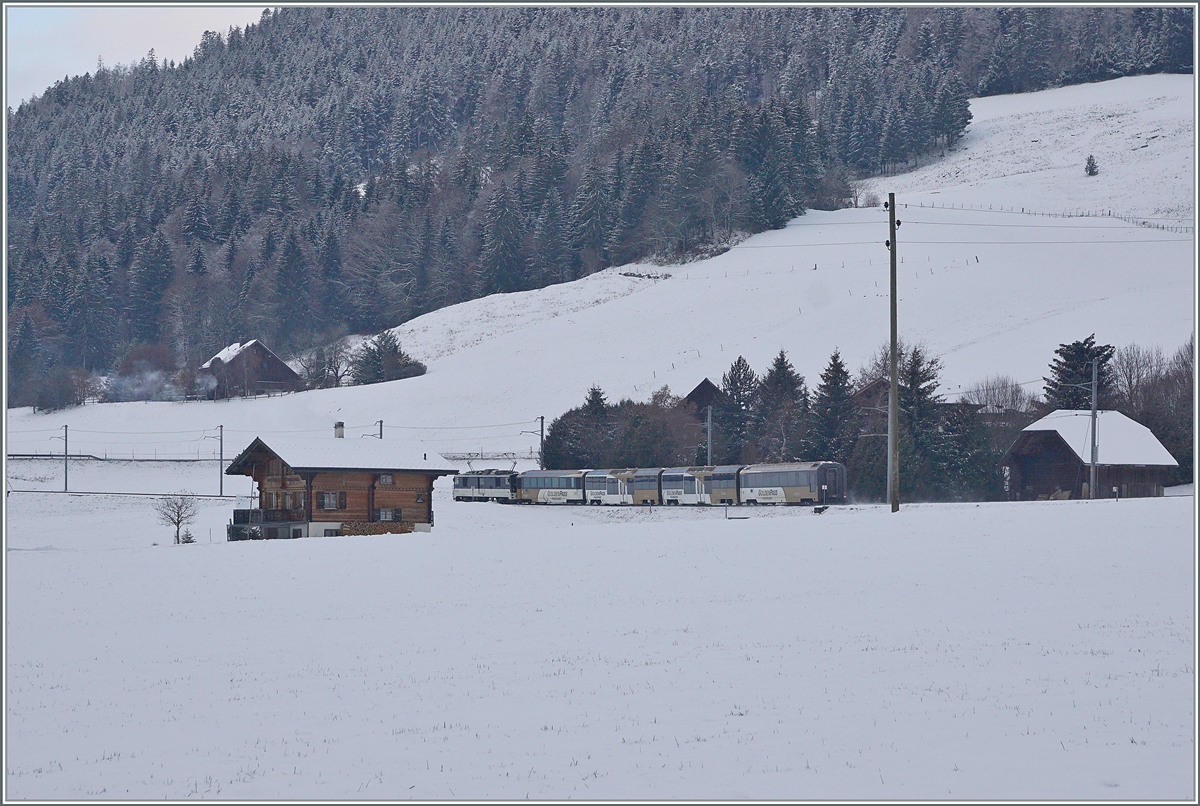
[
  {"x": 1051, "y": 458},
  {"x": 247, "y": 369},
  {"x": 327, "y": 487}
]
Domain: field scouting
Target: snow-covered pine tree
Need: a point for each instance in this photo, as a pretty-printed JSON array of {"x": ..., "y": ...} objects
[
  {"x": 833, "y": 426},
  {"x": 1069, "y": 384}
]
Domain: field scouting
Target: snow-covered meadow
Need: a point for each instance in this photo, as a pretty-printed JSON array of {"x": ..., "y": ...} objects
[
  {"x": 1037, "y": 650},
  {"x": 991, "y": 651}
]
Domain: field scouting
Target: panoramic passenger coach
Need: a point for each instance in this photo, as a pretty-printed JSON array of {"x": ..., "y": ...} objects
[{"x": 813, "y": 483}]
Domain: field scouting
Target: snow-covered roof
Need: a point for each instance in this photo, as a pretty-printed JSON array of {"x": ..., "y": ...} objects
[
  {"x": 226, "y": 355},
  {"x": 1119, "y": 440},
  {"x": 348, "y": 454}
]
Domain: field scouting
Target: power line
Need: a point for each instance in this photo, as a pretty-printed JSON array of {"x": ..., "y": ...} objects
[
  {"x": 805, "y": 245},
  {"x": 1024, "y": 226},
  {"x": 1101, "y": 242},
  {"x": 1105, "y": 213}
]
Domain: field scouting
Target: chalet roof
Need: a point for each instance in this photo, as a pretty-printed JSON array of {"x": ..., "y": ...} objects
[
  {"x": 229, "y": 353},
  {"x": 703, "y": 394},
  {"x": 341, "y": 454},
  {"x": 1120, "y": 440}
]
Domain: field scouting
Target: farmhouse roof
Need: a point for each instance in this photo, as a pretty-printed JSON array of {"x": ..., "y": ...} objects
[
  {"x": 229, "y": 353},
  {"x": 703, "y": 394},
  {"x": 1120, "y": 440},
  {"x": 341, "y": 454}
]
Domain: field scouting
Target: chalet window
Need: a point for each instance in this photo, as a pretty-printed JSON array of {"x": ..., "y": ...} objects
[
  {"x": 331, "y": 500},
  {"x": 341, "y": 501},
  {"x": 385, "y": 478},
  {"x": 387, "y": 514}
]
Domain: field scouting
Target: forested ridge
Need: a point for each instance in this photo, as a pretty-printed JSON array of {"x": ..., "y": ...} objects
[{"x": 343, "y": 170}]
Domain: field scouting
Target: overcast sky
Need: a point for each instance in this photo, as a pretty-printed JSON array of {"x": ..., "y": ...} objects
[{"x": 44, "y": 43}]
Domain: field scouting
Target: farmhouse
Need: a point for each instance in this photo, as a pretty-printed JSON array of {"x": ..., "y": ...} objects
[
  {"x": 248, "y": 369},
  {"x": 327, "y": 487},
  {"x": 1051, "y": 458}
]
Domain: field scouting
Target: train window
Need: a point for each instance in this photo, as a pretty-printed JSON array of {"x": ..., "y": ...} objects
[
  {"x": 614, "y": 487},
  {"x": 689, "y": 485},
  {"x": 674, "y": 479}
]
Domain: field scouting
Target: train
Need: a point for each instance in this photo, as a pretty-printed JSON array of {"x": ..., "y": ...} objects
[{"x": 814, "y": 483}]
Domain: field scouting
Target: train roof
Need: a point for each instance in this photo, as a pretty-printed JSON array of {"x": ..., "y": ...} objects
[
  {"x": 549, "y": 473},
  {"x": 783, "y": 466},
  {"x": 491, "y": 471}
]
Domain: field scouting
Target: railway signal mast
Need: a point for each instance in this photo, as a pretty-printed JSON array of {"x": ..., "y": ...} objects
[{"x": 893, "y": 446}]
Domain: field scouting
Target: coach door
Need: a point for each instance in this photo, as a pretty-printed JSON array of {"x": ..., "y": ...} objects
[{"x": 831, "y": 490}]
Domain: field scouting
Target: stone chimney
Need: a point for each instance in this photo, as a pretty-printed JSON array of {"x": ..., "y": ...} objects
[{"x": 339, "y": 430}]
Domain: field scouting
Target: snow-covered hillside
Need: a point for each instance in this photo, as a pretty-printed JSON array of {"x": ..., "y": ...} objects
[
  {"x": 1028, "y": 151},
  {"x": 1013, "y": 651},
  {"x": 989, "y": 290}
]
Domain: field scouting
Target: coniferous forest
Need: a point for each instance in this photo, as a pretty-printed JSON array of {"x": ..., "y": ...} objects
[{"x": 329, "y": 171}]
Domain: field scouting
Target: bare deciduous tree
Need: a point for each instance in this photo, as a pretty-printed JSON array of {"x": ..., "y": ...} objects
[
  {"x": 998, "y": 394},
  {"x": 326, "y": 366},
  {"x": 1138, "y": 370},
  {"x": 177, "y": 509}
]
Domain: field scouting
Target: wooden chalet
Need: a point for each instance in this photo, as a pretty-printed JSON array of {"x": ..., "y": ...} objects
[
  {"x": 1051, "y": 458},
  {"x": 247, "y": 369},
  {"x": 329, "y": 487}
]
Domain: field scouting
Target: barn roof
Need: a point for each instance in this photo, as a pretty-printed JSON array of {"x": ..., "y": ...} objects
[
  {"x": 704, "y": 394},
  {"x": 229, "y": 353},
  {"x": 341, "y": 454},
  {"x": 1120, "y": 440}
]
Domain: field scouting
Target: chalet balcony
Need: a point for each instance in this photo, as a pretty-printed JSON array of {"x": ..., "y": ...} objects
[{"x": 249, "y": 516}]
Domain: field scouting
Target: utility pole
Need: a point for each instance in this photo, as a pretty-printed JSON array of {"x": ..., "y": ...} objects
[
  {"x": 65, "y": 452},
  {"x": 1095, "y": 377},
  {"x": 710, "y": 434},
  {"x": 893, "y": 460},
  {"x": 220, "y": 437},
  {"x": 542, "y": 442},
  {"x": 381, "y": 429}
]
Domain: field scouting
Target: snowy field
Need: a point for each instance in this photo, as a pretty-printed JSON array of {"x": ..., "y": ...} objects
[
  {"x": 956, "y": 651},
  {"x": 997, "y": 651}
]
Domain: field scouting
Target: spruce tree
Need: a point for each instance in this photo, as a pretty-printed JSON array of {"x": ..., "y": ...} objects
[
  {"x": 735, "y": 407},
  {"x": 195, "y": 219},
  {"x": 500, "y": 264},
  {"x": 780, "y": 412},
  {"x": 152, "y": 272},
  {"x": 1069, "y": 384},
  {"x": 833, "y": 427}
]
